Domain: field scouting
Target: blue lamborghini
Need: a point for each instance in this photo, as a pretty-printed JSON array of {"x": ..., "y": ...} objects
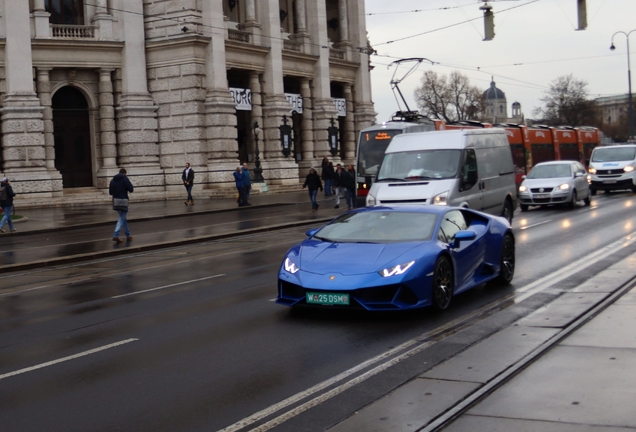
[{"x": 393, "y": 258}]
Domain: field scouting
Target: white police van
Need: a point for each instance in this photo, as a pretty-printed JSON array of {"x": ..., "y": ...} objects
[{"x": 612, "y": 168}]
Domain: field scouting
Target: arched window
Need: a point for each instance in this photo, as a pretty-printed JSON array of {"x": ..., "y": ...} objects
[{"x": 65, "y": 11}]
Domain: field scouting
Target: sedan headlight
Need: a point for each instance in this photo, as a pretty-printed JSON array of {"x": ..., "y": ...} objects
[
  {"x": 440, "y": 199},
  {"x": 591, "y": 170},
  {"x": 628, "y": 168},
  {"x": 564, "y": 187},
  {"x": 290, "y": 266},
  {"x": 396, "y": 270},
  {"x": 523, "y": 189}
]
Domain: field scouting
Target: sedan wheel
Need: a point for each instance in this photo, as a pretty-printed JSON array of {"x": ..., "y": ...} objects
[
  {"x": 443, "y": 283},
  {"x": 507, "y": 263},
  {"x": 574, "y": 199}
]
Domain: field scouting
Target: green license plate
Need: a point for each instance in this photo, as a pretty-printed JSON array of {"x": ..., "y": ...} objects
[{"x": 327, "y": 299}]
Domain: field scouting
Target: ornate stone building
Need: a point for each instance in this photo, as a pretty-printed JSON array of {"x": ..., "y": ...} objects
[
  {"x": 496, "y": 107},
  {"x": 90, "y": 87}
]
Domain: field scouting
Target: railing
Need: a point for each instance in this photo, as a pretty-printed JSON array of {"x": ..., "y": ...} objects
[
  {"x": 238, "y": 35},
  {"x": 64, "y": 31},
  {"x": 292, "y": 45},
  {"x": 335, "y": 53}
]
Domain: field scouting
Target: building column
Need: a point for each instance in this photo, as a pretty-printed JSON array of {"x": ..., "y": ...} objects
[
  {"x": 108, "y": 132},
  {"x": 278, "y": 169},
  {"x": 323, "y": 107},
  {"x": 103, "y": 20},
  {"x": 23, "y": 146},
  {"x": 302, "y": 35},
  {"x": 349, "y": 136},
  {"x": 44, "y": 94},
  {"x": 220, "y": 111},
  {"x": 251, "y": 24},
  {"x": 343, "y": 20},
  {"x": 257, "y": 108},
  {"x": 307, "y": 128},
  {"x": 41, "y": 19},
  {"x": 138, "y": 148},
  {"x": 365, "y": 114}
]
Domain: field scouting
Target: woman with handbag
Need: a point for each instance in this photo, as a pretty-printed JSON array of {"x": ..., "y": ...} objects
[{"x": 119, "y": 188}]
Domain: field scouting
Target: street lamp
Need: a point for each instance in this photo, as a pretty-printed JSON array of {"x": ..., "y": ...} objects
[
  {"x": 258, "y": 176},
  {"x": 629, "y": 81}
]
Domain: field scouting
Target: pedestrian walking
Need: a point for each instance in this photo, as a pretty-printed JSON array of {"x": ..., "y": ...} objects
[
  {"x": 327, "y": 175},
  {"x": 119, "y": 187},
  {"x": 6, "y": 202},
  {"x": 188, "y": 181},
  {"x": 238, "y": 180},
  {"x": 247, "y": 184},
  {"x": 313, "y": 184},
  {"x": 350, "y": 187},
  {"x": 338, "y": 184}
]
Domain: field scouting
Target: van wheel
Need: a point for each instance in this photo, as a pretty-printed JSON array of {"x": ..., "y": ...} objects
[
  {"x": 523, "y": 207},
  {"x": 587, "y": 200},
  {"x": 507, "y": 211},
  {"x": 572, "y": 203}
]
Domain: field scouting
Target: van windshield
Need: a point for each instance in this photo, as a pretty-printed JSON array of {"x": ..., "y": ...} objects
[
  {"x": 614, "y": 154},
  {"x": 418, "y": 165}
]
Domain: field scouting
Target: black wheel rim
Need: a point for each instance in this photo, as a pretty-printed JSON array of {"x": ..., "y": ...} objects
[
  {"x": 507, "y": 259},
  {"x": 443, "y": 289}
]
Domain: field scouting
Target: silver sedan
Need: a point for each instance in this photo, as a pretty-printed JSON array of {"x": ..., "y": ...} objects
[{"x": 556, "y": 182}]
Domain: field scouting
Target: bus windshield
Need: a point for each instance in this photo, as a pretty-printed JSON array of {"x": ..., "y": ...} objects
[
  {"x": 371, "y": 150},
  {"x": 420, "y": 165}
]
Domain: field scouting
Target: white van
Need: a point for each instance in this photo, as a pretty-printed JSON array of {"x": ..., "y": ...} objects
[
  {"x": 467, "y": 168},
  {"x": 612, "y": 168}
]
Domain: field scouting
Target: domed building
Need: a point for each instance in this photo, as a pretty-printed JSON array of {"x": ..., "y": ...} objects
[{"x": 496, "y": 107}]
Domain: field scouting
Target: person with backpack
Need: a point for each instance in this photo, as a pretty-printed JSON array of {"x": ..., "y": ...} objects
[{"x": 6, "y": 202}]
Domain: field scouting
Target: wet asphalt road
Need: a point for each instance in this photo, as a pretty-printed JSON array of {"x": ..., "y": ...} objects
[{"x": 189, "y": 338}]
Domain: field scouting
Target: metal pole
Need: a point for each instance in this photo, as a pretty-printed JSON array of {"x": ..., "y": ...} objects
[{"x": 630, "y": 112}]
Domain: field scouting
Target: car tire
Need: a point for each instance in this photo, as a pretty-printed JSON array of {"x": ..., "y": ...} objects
[
  {"x": 523, "y": 207},
  {"x": 575, "y": 199},
  {"x": 507, "y": 260},
  {"x": 592, "y": 191},
  {"x": 587, "y": 201},
  {"x": 443, "y": 283},
  {"x": 507, "y": 211}
]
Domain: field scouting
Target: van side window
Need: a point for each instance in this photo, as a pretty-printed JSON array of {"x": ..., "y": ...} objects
[
  {"x": 452, "y": 222},
  {"x": 469, "y": 170}
]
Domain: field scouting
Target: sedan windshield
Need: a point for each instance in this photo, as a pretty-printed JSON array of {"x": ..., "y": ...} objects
[
  {"x": 417, "y": 165},
  {"x": 379, "y": 227},
  {"x": 614, "y": 154},
  {"x": 550, "y": 171}
]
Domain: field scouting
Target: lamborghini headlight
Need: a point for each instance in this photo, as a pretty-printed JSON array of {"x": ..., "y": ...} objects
[
  {"x": 396, "y": 270},
  {"x": 290, "y": 266}
]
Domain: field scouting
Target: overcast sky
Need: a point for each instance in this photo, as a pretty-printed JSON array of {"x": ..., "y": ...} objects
[{"x": 535, "y": 42}]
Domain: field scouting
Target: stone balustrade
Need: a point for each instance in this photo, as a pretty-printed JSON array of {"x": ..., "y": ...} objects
[
  {"x": 238, "y": 35},
  {"x": 67, "y": 31}
]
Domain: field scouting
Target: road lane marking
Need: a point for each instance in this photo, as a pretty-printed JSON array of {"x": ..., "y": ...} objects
[
  {"x": 534, "y": 225},
  {"x": 168, "y": 286},
  {"x": 64, "y": 359},
  {"x": 420, "y": 343}
]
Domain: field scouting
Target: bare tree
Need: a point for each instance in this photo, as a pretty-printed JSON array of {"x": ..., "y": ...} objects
[
  {"x": 449, "y": 98},
  {"x": 566, "y": 103}
]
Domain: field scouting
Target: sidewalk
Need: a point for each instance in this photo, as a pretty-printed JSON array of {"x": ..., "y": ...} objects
[
  {"x": 569, "y": 369},
  {"x": 59, "y": 235}
]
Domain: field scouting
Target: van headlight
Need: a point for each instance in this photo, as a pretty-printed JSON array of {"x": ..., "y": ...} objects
[
  {"x": 370, "y": 200},
  {"x": 591, "y": 170},
  {"x": 629, "y": 168},
  {"x": 564, "y": 187},
  {"x": 441, "y": 199}
]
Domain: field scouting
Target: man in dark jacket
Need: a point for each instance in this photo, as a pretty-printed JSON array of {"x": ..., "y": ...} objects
[
  {"x": 6, "y": 202},
  {"x": 119, "y": 188},
  {"x": 339, "y": 184},
  {"x": 313, "y": 183},
  {"x": 188, "y": 181}
]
